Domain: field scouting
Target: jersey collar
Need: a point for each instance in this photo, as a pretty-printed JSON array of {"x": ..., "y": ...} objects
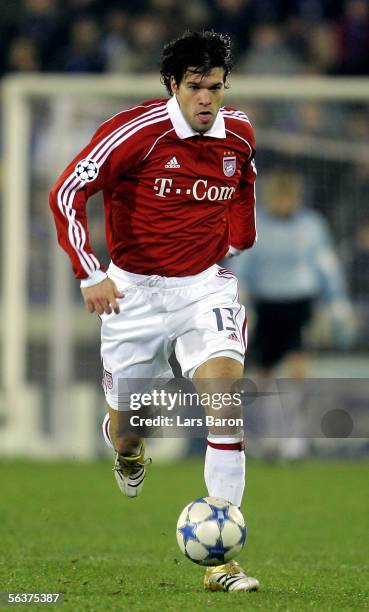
[{"x": 184, "y": 130}]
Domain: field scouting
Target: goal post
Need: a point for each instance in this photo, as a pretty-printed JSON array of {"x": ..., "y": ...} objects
[{"x": 45, "y": 118}]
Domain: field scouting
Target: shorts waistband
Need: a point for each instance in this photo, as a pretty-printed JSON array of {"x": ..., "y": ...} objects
[{"x": 155, "y": 280}]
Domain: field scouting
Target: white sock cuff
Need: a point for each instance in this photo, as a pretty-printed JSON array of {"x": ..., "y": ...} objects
[
  {"x": 106, "y": 431},
  {"x": 230, "y": 439}
]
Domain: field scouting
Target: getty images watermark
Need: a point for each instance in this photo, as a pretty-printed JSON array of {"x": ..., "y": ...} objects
[
  {"x": 181, "y": 399},
  {"x": 170, "y": 400},
  {"x": 330, "y": 408}
]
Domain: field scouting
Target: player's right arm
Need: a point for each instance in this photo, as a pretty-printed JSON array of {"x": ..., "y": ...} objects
[
  {"x": 95, "y": 168},
  {"x": 84, "y": 176},
  {"x": 87, "y": 174}
]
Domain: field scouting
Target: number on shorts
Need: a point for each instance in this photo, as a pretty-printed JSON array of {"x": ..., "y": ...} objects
[{"x": 222, "y": 319}]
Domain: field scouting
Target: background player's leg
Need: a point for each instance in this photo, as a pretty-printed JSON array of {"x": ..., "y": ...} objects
[{"x": 225, "y": 457}]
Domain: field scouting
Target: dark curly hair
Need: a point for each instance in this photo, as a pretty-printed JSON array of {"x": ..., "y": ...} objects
[{"x": 200, "y": 50}]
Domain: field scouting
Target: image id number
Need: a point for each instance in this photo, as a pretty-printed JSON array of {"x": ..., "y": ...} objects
[{"x": 30, "y": 598}]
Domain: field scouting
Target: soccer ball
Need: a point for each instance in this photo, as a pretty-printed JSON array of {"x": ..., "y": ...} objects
[
  {"x": 87, "y": 170},
  {"x": 211, "y": 531}
]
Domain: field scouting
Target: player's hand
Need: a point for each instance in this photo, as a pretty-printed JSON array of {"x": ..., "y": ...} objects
[
  {"x": 101, "y": 297},
  {"x": 344, "y": 324}
]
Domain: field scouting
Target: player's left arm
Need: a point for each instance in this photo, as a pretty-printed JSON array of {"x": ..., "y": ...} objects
[
  {"x": 326, "y": 262},
  {"x": 242, "y": 211},
  {"x": 332, "y": 281},
  {"x": 242, "y": 206}
]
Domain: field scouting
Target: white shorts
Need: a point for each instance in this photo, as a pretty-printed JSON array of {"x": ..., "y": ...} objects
[{"x": 199, "y": 317}]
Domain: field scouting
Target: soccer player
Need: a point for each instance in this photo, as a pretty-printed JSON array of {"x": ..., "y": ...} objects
[
  {"x": 177, "y": 177},
  {"x": 293, "y": 265}
]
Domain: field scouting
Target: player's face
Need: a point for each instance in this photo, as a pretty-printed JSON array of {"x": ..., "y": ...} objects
[{"x": 200, "y": 97}]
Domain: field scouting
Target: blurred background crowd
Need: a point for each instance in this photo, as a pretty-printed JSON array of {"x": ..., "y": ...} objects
[{"x": 269, "y": 37}]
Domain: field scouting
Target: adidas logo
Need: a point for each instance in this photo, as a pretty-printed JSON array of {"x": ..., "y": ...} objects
[
  {"x": 172, "y": 163},
  {"x": 233, "y": 337}
]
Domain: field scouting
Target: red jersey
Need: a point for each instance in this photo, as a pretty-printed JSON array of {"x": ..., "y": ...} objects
[{"x": 175, "y": 200}]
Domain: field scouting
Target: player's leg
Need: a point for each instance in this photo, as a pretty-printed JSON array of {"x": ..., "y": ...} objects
[
  {"x": 124, "y": 441},
  {"x": 130, "y": 463},
  {"x": 210, "y": 348},
  {"x": 278, "y": 342},
  {"x": 225, "y": 458},
  {"x": 133, "y": 356},
  {"x": 269, "y": 341},
  {"x": 298, "y": 368}
]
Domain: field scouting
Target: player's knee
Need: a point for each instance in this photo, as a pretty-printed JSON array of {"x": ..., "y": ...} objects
[{"x": 225, "y": 369}]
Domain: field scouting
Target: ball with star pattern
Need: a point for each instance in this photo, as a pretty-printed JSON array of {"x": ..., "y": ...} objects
[
  {"x": 87, "y": 170},
  {"x": 211, "y": 531}
]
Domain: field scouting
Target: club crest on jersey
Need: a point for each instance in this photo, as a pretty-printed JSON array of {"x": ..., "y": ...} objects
[
  {"x": 86, "y": 170},
  {"x": 229, "y": 165}
]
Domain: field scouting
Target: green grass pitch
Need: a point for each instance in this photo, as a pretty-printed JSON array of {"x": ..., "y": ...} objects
[{"x": 66, "y": 527}]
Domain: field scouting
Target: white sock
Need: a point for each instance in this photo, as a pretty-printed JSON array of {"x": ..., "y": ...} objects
[
  {"x": 225, "y": 468},
  {"x": 106, "y": 431}
]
